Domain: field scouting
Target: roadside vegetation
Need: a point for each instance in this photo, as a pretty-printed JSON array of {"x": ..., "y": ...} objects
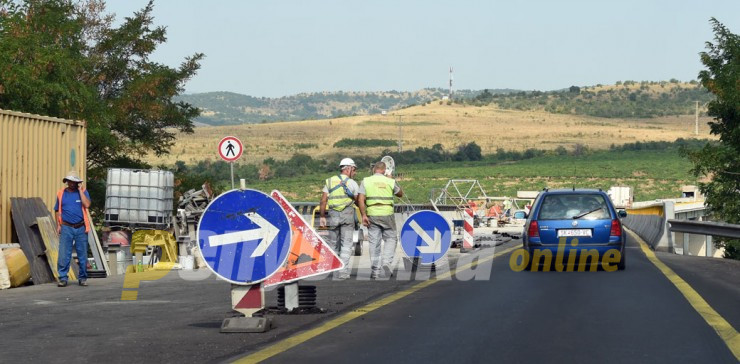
[
  {"x": 719, "y": 160},
  {"x": 654, "y": 170},
  {"x": 350, "y": 143},
  {"x": 628, "y": 99}
]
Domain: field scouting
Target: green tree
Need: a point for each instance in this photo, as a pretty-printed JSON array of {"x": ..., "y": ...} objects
[
  {"x": 719, "y": 161},
  {"x": 65, "y": 59}
]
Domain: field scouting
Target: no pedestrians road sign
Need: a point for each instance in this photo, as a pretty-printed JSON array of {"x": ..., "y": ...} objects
[{"x": 230, "y": 148}]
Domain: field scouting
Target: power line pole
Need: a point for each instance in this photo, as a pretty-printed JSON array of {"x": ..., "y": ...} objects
[
  {"x": 696, "y": 124},
  {"x": 400, "y": 135}
]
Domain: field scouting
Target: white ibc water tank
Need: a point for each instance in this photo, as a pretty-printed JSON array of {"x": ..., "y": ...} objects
[{"x": 139, "y": 197}]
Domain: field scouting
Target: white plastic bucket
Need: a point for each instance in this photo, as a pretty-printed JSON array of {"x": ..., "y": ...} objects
[
  {"x": 123, "y": 259},
  {"x": 187, "y": 262}
]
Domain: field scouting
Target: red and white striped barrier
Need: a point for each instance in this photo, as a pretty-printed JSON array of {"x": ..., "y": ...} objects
[
  {"x": 247, "y": 299},
  {"x": 468, "y": 230}
]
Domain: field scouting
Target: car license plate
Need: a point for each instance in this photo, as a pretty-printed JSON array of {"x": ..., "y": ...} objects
[{"x": 574, "y": 232}]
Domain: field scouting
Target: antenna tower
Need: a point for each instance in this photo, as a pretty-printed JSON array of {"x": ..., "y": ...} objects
[{"x": 450, "y": 95}]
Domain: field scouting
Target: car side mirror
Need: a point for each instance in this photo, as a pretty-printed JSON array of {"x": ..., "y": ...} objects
[{"x": 622, "y": 213}]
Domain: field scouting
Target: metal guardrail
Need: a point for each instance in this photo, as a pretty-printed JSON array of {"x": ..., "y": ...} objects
[
  {"x": 705, "y": 228},
  {"x": 306, "y": 208}
]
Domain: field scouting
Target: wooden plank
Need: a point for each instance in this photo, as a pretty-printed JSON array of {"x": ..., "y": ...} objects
[
  {"x": 97, "y": 248},
  {"x": 22, "y": 213},
  {"x": 51, "y": 241}
]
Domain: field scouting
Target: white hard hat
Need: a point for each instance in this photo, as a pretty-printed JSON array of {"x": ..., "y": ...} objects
[
  {"x": 347, "y": 162},
  {"x": 72, "y": 176}
]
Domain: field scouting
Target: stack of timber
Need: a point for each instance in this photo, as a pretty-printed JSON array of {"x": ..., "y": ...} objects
[{"x": 24, "y": 212}]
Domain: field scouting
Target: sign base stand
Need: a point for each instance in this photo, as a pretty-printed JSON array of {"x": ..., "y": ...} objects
[
  {"x": 246, "y": 324},
  {"x": 247, "y": 300},
  {"x": 291, "y": 296}
]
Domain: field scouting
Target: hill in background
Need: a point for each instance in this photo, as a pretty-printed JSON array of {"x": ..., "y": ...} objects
[
  {"x": 490, "y": 125},
  {"x": 628, "y": 99},
  {"x": 228, "y": 108}
]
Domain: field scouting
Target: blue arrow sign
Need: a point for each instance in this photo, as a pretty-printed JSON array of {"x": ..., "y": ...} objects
[
  {"x": 244, "y": 236},
  {"x": 426, "y": 235}
]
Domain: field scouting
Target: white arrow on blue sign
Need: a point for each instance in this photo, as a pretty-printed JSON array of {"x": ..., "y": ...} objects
[
  {"x": 426, "y": 235},
  {"x": 244, "y": 236}
]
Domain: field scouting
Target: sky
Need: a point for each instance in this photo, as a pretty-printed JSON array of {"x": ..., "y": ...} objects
[{"x": 275, "y": 48}]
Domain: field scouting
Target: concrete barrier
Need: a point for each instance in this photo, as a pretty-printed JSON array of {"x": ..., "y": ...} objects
[{"x": 650, "y": 223}]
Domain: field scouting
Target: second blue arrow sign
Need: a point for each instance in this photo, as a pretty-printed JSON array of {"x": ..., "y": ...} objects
[{"x": 426, "y": 235}]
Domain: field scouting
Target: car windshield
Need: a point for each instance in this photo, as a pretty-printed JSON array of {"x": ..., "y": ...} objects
[{"x": 574, "y": 206}]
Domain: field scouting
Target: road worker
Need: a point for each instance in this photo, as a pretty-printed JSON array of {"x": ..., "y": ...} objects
[
  {"x": 507, "y": 206},
  {"x": 73, "y": 224},
  {"x": 376, "y": 206},
  {"x": 338, "y": 197}
]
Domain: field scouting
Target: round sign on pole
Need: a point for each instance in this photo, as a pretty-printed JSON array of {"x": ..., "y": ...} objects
[
  {"x": 244, "y": 236},
  {"x": 426, "y": 235},
  {"x": 230, "y": 148}
]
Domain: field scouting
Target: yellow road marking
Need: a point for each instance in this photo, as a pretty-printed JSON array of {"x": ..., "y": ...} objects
[
  {"x": 726, "y": 332},
  {"x": 298, "y": 339}
]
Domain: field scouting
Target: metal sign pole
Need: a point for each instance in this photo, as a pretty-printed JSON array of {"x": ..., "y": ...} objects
[
  {"x": 232, "y": 175},
  {"x": 246, "y": 299}
]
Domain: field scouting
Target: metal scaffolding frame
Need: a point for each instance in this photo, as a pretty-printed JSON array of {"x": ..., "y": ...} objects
[{"x": 453, "y": 192}]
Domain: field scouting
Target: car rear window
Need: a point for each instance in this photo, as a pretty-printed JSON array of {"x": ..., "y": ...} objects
[{"x": 569, "y": 206}]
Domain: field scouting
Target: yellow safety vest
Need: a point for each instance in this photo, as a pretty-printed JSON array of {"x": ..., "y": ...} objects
[
  {"x": 338, "y": 198},
  {"x": 379, "y": 195}
]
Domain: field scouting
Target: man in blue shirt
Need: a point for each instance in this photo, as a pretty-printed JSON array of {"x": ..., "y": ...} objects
[{"x": 72, "y": 226}]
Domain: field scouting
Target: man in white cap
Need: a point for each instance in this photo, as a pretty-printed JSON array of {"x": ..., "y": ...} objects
[
  {"x": 339, "y": 193},
  {"x": 72, "y": 226}
]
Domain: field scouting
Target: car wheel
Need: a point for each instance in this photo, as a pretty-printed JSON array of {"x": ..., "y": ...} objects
[
  {"x": 621, "y": 264},
  {"x": 528, "y": 267}
]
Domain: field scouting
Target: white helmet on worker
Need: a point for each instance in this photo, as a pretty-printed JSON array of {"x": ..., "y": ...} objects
[{"x": 347, "y": 162}]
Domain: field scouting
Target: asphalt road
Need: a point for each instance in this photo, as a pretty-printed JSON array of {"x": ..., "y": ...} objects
[{"x": 635, "y": 315}]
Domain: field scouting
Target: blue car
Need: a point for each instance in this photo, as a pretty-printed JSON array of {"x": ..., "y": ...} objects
[{"x": 573, "y": 228}]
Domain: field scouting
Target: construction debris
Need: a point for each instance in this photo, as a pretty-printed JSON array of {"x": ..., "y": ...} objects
[
  {"x": 99, "y": 266},
  {"x": 37, "y": 236},
  {"x": 4, "y": 275},
  {"x": 24, "y": 212},
  {"x": 158, "y": 245},
  {"x": 189, "y": 210},
  {"x": 17, "y": 267}
]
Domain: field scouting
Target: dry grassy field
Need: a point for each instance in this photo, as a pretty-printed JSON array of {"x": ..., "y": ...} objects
[{"x": 424, "y": 126}]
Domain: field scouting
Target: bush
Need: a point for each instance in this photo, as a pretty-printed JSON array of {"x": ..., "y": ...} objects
[
  {"x": 306, "y": 146},
  {"x": 348, "y": 143}
]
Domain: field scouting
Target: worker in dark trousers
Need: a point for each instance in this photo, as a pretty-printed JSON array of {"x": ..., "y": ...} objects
[
  {"x": 339, "y": 194},
  {"x": 72, "y": 226}
]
